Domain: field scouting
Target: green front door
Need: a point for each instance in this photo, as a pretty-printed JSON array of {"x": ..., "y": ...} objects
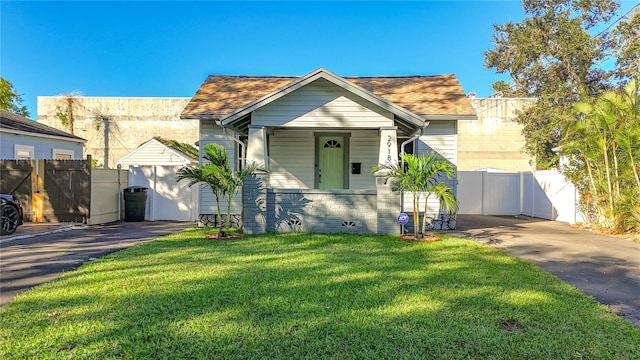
[{"x": 331, "y": 151}]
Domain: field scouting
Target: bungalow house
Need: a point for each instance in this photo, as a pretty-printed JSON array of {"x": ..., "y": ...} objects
[{"x": 318, "y": 136}]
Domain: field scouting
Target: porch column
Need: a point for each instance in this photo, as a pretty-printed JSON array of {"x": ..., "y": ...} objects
[
  {"x": 257, "y": 146},
  {"x": 254, "y": 191},
  {"x": 387, "y": 206},
  {"x": 254, "y": 204},
  {"x": 388, "y": 150},
  {"x": 388, "y": 201}
]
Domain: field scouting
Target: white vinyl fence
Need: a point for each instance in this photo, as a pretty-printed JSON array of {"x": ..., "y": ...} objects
[
  {"x": 166, "y": 198},
  {"x": 541, "y": 194},
  {"x": 106, "y": 195}
]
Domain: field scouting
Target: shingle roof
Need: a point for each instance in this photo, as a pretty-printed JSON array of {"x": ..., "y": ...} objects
[
  {"x": 10, "y": 121},
  {"x": 423, "y": 95}
]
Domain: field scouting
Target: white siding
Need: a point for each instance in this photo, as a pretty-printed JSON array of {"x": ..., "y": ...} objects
[
  {"x": 440, "y": 136},
  {"x": 210, "y": 133},
  {"x": 322, "y": 104},
  {"x": 291, "y": 159},
  {"x": 43, "y": 147},
  {"x": 153, "y": 153},
  {"x": 434, "y": 206},
  {"x": 363, "y": 149}
]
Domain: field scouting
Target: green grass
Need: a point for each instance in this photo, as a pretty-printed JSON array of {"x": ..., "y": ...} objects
[{"x": 311, "y": 296}]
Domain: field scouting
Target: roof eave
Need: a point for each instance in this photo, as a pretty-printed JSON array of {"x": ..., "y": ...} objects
[
  {"x": 450, "y": 117},
  {"x": 187, "y": 158},
  {"x": 199, "y": 117},
  {"x": 47, "y": 136}
]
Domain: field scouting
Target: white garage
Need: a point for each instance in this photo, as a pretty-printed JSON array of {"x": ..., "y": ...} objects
[{"x": 154, "y": 165}]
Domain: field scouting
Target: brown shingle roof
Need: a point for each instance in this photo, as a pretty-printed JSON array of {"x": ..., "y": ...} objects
[
  {"x": 11, "y": 121},
  {"x": 424, "y": 95}
]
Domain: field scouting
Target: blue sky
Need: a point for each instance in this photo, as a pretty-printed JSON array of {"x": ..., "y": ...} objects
[{"x": 161, "y": 48}]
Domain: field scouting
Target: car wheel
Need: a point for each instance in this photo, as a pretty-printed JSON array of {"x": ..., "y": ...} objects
[{"x": 10, "y": 219}]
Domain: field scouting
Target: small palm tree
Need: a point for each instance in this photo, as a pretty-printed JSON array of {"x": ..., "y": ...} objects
[
  {"x": 434, "y": 169},
  {"x": 208, "y": 173},
  {"x": 232, "y": 181},
  {"x": 219, "y": 177},
  {"x": 423, "y": 174}
]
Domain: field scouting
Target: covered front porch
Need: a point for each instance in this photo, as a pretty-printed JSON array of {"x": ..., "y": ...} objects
[{"x": 321, "y": 181}]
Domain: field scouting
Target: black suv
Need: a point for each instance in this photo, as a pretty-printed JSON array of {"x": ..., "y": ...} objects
[{"x": 11, "y": 215}]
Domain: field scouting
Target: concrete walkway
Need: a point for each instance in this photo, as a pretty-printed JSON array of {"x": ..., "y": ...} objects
[{"x": 605, "y": 267}]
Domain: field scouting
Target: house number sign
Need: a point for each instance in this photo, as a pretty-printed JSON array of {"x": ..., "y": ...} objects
[{"x": 389, "y": 148}]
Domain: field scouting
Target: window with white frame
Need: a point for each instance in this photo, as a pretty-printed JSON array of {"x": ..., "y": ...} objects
[
  {"x": 60, "y": 154},
  {"x": 23, "y": 152}
]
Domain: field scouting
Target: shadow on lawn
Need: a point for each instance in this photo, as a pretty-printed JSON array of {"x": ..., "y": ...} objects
[{"x": 314, "y": 296}]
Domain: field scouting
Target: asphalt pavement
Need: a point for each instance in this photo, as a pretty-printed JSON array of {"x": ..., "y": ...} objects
[
  {"x": 605, "y": 267},
  {"x": 37, "y": 253}
]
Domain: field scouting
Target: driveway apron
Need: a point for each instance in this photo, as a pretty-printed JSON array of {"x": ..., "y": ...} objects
[
  {"x": 32, "y": 259},
  {"x": 605, "y": 267}
]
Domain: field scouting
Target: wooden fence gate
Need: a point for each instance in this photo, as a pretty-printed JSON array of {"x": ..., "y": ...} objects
[
  {"x": 67, "y": 190},
  {"x": 49, "y": 190},
  {"x": 15, "y": 179}
]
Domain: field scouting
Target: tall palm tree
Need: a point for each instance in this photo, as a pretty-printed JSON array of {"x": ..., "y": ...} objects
[
  {"x": 67, "y": 109},
  {"x": 419, "y": 175}
]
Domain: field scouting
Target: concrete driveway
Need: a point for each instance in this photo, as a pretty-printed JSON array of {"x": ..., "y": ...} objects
[
  {"x": 605, "y": 267},
  {"x": 28, "y": 259}
]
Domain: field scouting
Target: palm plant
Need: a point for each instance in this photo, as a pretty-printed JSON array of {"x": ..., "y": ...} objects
[
  {"x": 232, "y": 181},
  {"x": 419, "y": 175},
  {"x": 434, "y": 169},
  {"x": 606, "y": 139},
  {"x": 208, "y": 173},
  {"x": 218, "y": 175}
]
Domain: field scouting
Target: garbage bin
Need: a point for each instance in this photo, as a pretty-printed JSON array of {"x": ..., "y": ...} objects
[{"x": 135, "y": 203}]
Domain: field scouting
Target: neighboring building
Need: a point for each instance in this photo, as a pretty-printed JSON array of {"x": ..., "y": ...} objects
[
  {"x": 115, "y": 126},
  {"x": 154, "y": 165},
  {"x": 494, "y": 140},
  {"x": 319, "y": 136},
  {"x": 25, "y": 139}
]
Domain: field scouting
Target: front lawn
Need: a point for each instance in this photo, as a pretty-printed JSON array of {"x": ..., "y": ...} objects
[{"x": 311, "y": 296}]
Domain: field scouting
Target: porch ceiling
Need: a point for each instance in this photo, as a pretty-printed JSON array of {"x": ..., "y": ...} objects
[{"x": 405, "y": 129}]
